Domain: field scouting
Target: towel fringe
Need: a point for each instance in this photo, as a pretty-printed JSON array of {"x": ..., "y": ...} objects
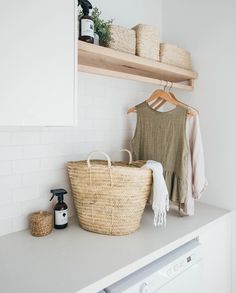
[{"x": 160, "y": 204}]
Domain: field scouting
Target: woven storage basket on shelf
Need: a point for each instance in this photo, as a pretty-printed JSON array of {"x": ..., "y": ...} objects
[
  {"x": 147, "y": 41},
  {"x": 122, "y": 39},
  {"x": 41, "y": 223},
  {"x": 109, "y": 197},
  {"x": 174, "y": 55}
]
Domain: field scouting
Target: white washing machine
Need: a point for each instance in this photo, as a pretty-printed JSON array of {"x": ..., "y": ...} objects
[{"x": 180, "y": 271}]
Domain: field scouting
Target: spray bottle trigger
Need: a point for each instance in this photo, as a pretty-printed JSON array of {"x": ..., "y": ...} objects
[{"x": 52, "y": 197}]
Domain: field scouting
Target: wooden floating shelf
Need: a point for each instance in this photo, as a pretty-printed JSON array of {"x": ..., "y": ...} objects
[{"x": 104, "y": 61}]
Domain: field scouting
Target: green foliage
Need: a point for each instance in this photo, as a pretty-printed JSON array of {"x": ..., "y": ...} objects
[{"x": 101, "y": 27}]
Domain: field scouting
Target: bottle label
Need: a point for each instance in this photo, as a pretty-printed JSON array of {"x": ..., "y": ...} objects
[
  {"x": 61, "y": 217},
  {"x": 87, "y": 28}
]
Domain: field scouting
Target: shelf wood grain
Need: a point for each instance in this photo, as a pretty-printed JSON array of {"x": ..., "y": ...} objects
[{"x": 104, "y": 61}]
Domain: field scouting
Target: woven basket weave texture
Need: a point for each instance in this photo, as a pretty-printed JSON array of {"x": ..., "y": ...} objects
[
  {"x": 174, "y": 55},
  {"x": 109, "y": 200},
  {"x": 147, "y": 41},
  {"x": 122, "y": 39},
  {"x": 41, "y": 223}
]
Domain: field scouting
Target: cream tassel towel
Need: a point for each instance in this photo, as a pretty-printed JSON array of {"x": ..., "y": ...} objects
[{"x": 160, "y": 203}]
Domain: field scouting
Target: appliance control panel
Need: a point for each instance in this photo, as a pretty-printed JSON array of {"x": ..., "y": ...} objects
[
  {"x": 180, "y": 265},
  {"x": 155, "y": 275}
]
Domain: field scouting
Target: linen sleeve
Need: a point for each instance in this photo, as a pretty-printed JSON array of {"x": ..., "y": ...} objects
[{"x": 199, "y": 181}]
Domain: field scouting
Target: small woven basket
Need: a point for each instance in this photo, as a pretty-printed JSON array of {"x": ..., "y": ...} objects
[
  {"x": 122, "y": 39},
  {"x": 147, "y": 41},
  {"x": 41, "y": 223},
  {"x": 174, "y": 55},
  {"x": 109, "y": 197}
]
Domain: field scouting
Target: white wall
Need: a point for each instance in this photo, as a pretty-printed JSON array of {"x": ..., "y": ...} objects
[
  {"x": 131, "y": 12},
  {"x": 32, "y": 160},
  {"x": 207, "y": 29}
]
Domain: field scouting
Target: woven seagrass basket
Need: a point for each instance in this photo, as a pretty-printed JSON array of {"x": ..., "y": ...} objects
[
  {"x": 174, "y": 55},
  {"x": 147, "y": 41},
  {"x": 122, "y": 39},
  {"x": 109, "y": 197},
  {"x": 41, "y": 223}
]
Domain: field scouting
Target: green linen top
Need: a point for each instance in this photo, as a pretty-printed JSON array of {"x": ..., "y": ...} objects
[{"x": 161, "y": 136}]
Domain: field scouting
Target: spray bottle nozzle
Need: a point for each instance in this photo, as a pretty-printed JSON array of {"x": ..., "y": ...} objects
[
  {"x": 58, "y": 192},
  {"x": 86, "y": 5}
]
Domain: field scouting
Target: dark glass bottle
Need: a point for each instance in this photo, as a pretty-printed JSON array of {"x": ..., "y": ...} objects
[
  {"x": 60, "y": 209},
  {"x": 86, "y": 28},
  {"x": 60, "y": 214},
  {"x": 86, "y": 24}
]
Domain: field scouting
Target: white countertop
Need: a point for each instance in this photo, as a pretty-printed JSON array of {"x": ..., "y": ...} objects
[{"x": 73, "y": 260}]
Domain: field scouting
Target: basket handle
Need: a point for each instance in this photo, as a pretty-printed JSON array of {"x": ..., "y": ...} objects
[
  {"x": 130, "y": 155},
  {"x": 101, "y": 153}
]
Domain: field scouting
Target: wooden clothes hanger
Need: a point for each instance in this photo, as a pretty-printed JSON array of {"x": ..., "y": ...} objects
[
  {"x": 161, "y": 97},
  {"x": 160, "y": 101},
  {"x": 192, "y": 111},
  {"x": 157, "y": 96}
]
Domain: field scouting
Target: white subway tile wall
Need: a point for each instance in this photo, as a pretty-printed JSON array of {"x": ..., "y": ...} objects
[{"x": 33, "y": 159}]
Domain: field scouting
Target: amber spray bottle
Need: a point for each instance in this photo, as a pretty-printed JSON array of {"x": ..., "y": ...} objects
[
  {"x": 60, "y": 209},
  {"x": 86, "y": 24}
]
